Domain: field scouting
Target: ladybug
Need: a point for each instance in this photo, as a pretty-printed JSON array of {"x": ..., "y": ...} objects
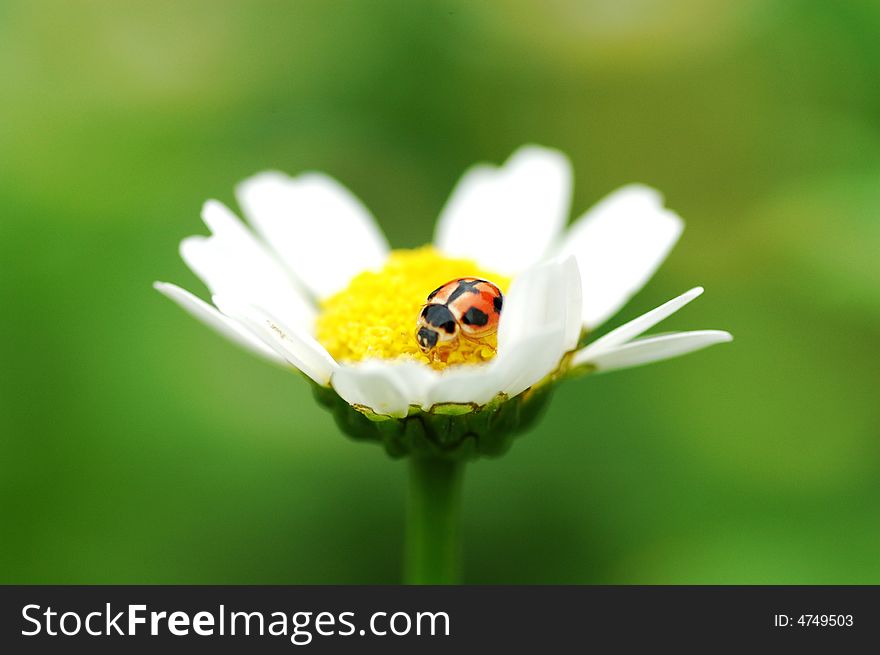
[{"x": 467, "y": 307}]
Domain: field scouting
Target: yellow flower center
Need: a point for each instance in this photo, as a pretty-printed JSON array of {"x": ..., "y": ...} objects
[{"x": 375, "y": 317}]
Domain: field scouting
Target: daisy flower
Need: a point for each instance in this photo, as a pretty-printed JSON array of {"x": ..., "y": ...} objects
[{"x": 313, "y": 285}]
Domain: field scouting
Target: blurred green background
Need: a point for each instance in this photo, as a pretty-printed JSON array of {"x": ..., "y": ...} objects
[{"x": 139, "y": 447}]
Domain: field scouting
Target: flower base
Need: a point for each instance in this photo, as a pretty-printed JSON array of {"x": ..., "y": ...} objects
[{"x": 449, "y": 431}]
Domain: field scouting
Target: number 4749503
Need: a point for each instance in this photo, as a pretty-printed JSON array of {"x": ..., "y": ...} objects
[{"x": 825, "y": 620}]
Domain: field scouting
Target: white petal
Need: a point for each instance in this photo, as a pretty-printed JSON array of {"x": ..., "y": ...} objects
[
  {"x": 231, "y": 262},
  {"x": 321, "y": 231},
  {"x": 652, "y": 349},
  {"x": 211, "y": 317},
  {"x": 293, "y": 344},
  {"x": 466, "y": 384},
  {"x": 637, "y": 326},
  {"x": 546, "y": 296},
  {"x": 507, "y": 218},
  {"x": 414, "y": 378},
  {"x": 372, "y": 384},
  {"x": 511, "y": 372},
  {"x": 573, "y": 301},
  {"x": 531, "y": 361},
  {"x": 527, "y": 288},
  {"x": 619, "y": 244},
  {"x": 390, "y": 388}
]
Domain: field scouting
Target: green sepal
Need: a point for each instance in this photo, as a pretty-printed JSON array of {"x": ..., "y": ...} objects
[{"x": 453, "y": 430}]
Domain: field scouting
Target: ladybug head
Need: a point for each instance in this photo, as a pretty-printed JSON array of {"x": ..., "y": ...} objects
[
  {"x": 436, "y": 327},
  {"x": 427, "y": 338}
]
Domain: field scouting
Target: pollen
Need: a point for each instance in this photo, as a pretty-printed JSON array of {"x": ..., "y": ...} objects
[{"x": 375, "y": 316}]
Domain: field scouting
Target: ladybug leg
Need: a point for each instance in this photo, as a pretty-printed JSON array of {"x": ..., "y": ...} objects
[
  {"x": 439, "y": 355},
  {"x": 479, "y": 340}
]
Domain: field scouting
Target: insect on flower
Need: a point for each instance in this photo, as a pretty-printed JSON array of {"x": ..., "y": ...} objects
[
  {"x": 465, "y": 380},
  {"x": 467, "y": 307},
  {"x": 451, "y": 375}
]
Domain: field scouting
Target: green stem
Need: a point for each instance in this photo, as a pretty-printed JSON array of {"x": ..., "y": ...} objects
[{"x": 433, "y": 534}]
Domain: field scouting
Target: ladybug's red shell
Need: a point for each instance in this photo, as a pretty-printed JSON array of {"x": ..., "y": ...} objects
[
  {"x": 475, "y": 304},
  {"x": 467, "y": 305}
]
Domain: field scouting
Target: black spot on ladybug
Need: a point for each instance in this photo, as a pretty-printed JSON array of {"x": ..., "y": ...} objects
[
  {"x": 497, "y": 301},
  {"x": 439, "y": 316},
  {"x": 435, "y": 291},
  {"x": 449, "y": 326},
  {"x": 474, "y": 316},
  {"x": 427, "y": 338},
  {"x": 464, "y": 286}
]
